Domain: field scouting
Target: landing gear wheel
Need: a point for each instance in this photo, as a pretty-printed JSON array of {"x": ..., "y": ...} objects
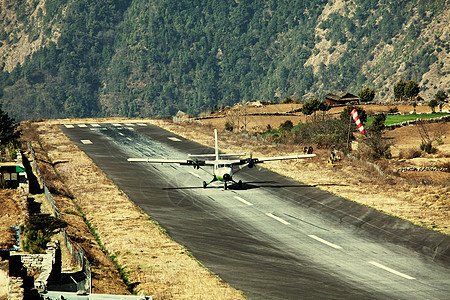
[
  {"x": 225, "y": 186},
  {"x": 240, "y": 183},
  {"x": 204, "y": 184}
]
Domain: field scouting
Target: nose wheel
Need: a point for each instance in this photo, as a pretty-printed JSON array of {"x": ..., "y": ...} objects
[{"x": 225, "y": 184}]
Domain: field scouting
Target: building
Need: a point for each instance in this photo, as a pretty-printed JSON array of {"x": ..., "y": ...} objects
[{"x": 341, "y": 98}]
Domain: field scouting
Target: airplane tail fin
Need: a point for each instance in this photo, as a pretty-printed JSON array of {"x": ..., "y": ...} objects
[{"x": 217, "y": 144}]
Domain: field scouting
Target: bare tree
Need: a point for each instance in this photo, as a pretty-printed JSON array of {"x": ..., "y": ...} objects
[{"x": 429, "y": 136}]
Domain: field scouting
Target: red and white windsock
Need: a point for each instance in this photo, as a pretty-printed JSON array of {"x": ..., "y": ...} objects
[{"x": 355, "y": 117}]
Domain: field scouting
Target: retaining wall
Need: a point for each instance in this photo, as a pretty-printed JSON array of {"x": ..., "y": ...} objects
[{"x": 77, "y": 254}]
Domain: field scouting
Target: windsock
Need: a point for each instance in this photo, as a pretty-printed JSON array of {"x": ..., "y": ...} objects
[{"x": 355, "y": 117}]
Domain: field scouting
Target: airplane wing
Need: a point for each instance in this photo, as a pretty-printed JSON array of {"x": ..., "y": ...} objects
[
  {"x": 253, "y": 161},
  {"x": 285, "y": 157},
  {"x": 183, "y": 162}
]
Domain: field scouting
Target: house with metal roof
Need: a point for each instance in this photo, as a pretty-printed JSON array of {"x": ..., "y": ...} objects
[{"x": 341, "y": 98}]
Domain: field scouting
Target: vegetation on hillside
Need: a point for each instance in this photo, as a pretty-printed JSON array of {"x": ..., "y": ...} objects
[{"x": 139, "y": 58}]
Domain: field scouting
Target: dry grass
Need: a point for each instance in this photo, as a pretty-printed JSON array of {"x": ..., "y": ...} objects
[{"x": 13, "y": 207}]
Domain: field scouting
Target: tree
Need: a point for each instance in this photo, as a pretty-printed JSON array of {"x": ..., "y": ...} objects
[
  {"x": 441, "y": 97},
  {"x": 314, "y": 105},
  {"x": 399, "y": 89},
  {"x": 377, "y": 125},
  {"x": 433, "y": 103},
  {"x": 8, "y": 130},
  {"x": 286, "y": 126},
  {"x": 366, "y": 95},
  {"x": 411, "y": 89},
  {"x": 414, "y": 104}
]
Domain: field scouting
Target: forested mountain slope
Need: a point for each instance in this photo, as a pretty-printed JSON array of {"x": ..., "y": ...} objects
[{"x": 139, "y": 58}]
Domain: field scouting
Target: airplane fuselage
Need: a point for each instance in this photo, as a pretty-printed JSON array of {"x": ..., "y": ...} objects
[{"x": 223, "y": 170}]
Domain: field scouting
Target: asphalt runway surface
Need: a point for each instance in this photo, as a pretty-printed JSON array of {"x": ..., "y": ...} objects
[{"x": 273, "y": 238}]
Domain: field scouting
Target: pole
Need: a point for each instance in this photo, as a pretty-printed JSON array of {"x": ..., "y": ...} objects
[{"x": 348, "y": 135}]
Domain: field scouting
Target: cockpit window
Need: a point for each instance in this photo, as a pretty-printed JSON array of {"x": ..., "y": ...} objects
[{"x": 223, "y": 166}]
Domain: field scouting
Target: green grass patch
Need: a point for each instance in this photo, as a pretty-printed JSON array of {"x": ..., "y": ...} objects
[{"x": 395, "y": 119}]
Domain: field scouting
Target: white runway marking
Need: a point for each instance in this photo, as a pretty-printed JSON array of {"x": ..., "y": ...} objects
[
  {"x": 390, "y": 270},
  {"x": 174, "y": 139},
  {"x": 82, "y": 125},
  {"x": 142, "y": 124},
  {"x": 324, "y": 241},
  {"x": 129, "y": 124},
  {"x": 130, "y": 139},
  {"x": 277, "y": 218},
  {"x": 121, "y": 134},
  {"x": 196, "y": 175},
  {"x": 95, "y": 125},
  {"x": 243, "y": 200},
  {"x": 69, "y": 126},
  {"x": 86, "y": 142},
  {"x": 117, "y": 125}
]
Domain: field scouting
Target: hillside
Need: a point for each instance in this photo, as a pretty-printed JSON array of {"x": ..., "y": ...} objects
[{"x": 140, "y": 58}]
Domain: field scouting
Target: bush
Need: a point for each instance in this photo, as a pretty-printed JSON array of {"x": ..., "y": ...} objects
[
  {"x": 286, "y": 126},
  {"x": 427, "y": 148},
  {"x": 393, "y": 110},
  {"x": 228, "y": 126},
  {"x": 38, "y": 231}
]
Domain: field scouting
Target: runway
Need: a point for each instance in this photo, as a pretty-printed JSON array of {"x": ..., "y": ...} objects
[{"x": 274, "y": 238}]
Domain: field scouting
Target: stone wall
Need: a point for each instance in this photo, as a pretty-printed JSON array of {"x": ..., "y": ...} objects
[
  {"x": 4, "y": 274},
  {"x": 41, "y": 264}
]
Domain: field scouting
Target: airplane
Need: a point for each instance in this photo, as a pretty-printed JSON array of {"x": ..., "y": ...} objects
[{"x": 222, "y": 166}]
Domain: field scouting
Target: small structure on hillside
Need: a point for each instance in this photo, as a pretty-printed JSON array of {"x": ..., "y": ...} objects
[
  {"x": 181, "y": 117},
  {"x": 341, "y": 98},
  {"x": 13, "y": 174}
]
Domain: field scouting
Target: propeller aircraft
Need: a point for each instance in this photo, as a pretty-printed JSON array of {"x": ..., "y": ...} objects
[{"x": 222, "y": 164}]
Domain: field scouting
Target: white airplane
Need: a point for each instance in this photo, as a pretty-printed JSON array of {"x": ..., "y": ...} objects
[{"x": 222, "y": 167}]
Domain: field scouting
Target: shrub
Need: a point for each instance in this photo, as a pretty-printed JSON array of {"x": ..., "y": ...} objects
[
  {"x": 38, "y": 231},
  {"x": 393, "y": 110},
  {"x": 286, "y": 126},
  {"x": 228, "y": 126},
  {"x": 427, "y": 148}
]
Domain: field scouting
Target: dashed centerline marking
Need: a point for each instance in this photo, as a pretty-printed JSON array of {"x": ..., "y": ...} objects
[
  {"x": 82, "y": 125},
  {"x": 95, "y": 125},
  {"x": 142, "y": 124},
  {"x": 243, "y": 200},
  {"x": 86, "y": 142},
  {"x": 277, "y": 218},
  {"x": 121, "y": 134},
  {"x": 390, "y": 270},
  {"x": 174, "y": 139},
  {"x": 117, "y": 125},
  {"x": 324, "y": 241},
  {"x": 69, "y": 126},
  {"x": 196, "y": 175}
]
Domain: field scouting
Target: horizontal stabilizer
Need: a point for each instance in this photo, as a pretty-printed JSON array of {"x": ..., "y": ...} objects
[{"x": 220, "y": 155}]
